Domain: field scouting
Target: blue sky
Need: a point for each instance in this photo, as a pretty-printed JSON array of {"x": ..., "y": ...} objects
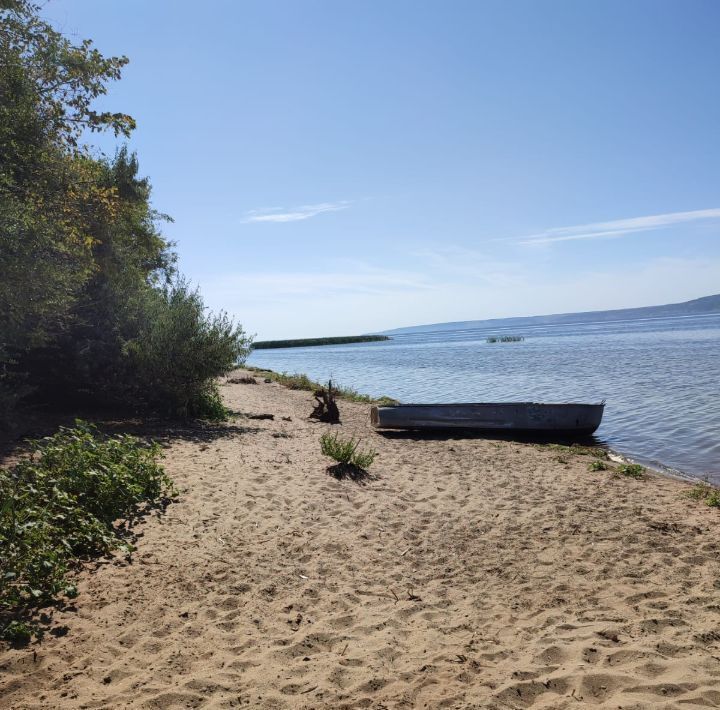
[{"x": 344, "y": 167}]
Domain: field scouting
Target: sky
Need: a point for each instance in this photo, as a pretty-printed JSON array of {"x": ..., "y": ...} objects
[{"x": 336, "y": 167}]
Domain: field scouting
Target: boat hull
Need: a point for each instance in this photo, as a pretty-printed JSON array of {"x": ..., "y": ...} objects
[{"x": 574, "y": 418}]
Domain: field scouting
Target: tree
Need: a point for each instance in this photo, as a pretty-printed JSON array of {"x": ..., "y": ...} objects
[
  {"x": 49, "y": 187},
  {"x": 84, "y": 269}
]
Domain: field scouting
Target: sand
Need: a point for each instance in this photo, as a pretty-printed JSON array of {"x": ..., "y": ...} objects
[{"x": 465, "y": 573}]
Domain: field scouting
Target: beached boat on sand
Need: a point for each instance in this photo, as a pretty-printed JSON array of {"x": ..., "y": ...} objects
[{"x": 531, "y": 417}]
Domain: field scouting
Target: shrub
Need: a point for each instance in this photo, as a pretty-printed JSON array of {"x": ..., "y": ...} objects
[
  {"x": 180, "y": 351},
  {"x": 63, "y": 504},
  {"x": 345, "y": 451},
  {"x": 597, "y": 466},
  {"x": 19, "y": 633}
]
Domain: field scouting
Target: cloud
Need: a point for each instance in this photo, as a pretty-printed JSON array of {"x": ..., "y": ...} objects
[
  {"x": 617, "y": 228},
  {"x": 450, "y": 263},
  {"x": 280, "y": 214},
  {"x": 285, "y": 287}
]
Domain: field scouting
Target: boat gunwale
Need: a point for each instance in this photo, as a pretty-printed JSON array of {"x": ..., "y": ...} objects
[{"x": 491, "y": 404}]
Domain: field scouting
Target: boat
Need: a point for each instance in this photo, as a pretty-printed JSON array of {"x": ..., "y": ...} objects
[{"x": 574, "y": 419}]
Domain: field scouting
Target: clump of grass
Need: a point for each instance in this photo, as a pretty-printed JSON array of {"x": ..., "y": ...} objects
[
  {"x": 63, "y": 504},
  {"x": 505, "y": 339},
  {"x": 345, "y": 451},
  {"x": 299, "y": 381},
  {"x": 597, "y": 466},
  {"x": 699, "y": 491},
  {"x": 631, "y": 470},
  {"x": 596, "y": 451},
  {"x": 706, "y": 493}
]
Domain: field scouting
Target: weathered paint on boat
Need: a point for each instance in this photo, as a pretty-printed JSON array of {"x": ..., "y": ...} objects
[{"x": 573, "y": 418}]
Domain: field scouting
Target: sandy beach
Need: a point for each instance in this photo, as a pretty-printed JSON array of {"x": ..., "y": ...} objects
[{"x": 463, "y": 573}]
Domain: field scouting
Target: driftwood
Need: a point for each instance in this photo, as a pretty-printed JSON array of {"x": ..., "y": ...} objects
[
  {"x": 326, "y": 410},
  {"x": 242, "y": 381}
]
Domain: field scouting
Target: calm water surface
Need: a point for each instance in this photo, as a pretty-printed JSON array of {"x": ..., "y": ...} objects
[{"x": 660, "y": 377}]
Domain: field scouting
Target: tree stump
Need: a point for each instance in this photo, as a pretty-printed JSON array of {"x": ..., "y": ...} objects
[{"x": 326, "y": 410}]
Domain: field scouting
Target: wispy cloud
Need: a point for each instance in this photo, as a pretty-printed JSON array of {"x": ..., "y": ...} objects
[
  {"x": 450, "y": 263},
  {"x": 285, "y": 287},
  {"x": 295, "y": 214},
  {"x": 617, "y": 228}
]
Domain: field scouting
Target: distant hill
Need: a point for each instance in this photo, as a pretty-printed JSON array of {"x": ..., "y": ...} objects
[{"x": 708, "y": 304}]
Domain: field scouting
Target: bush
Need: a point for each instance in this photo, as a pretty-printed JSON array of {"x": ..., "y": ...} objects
[
  {"x": 345, "y": 451},
  {"x": 63, "y": 504},
  {"x": 19, "y": 633},
  {"x": 180, "y": 350},
  {"x": 597, "y": 466}
]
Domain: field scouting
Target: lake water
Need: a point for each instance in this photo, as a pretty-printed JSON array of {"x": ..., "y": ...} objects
[{"x": 660, "y": 378}]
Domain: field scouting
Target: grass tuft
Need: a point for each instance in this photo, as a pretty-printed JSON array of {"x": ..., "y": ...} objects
[
  {"x": 597, "y": 466},
  {"x": 706, "y": 493},
  {"x": 345, "y": 451},
  {"x": 631, "y": 470},
  {"x": 596, "y": 451}
]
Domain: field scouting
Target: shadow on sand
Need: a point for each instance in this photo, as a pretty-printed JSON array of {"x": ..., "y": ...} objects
[
  {"x": 561, "y": 438},
  {"x": 343, "y": 471},
  {"x": 164, "y": 431}
]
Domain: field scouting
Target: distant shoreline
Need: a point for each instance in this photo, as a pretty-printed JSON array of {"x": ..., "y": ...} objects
[{"x": 313, "y": 342}]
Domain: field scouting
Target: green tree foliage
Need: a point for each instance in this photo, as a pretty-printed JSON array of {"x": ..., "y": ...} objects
[
  {"x": 51, "y": 191},
  {"x": 83, "y": 263},
  {"x": 64, "y": 78}
]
